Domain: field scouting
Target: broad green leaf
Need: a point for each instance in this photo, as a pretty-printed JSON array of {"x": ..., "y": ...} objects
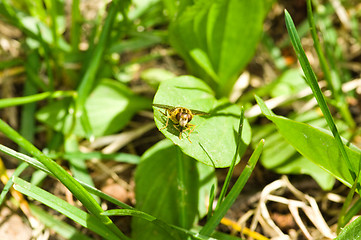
[
  {"x": 213, "y": 141},
  {"x": 110, "y": 107},
  {"x": 157, "y": 189},
  {"x": 225, "y": 32},
  {"x": 284, "y": 159},
  {"x": 351, "y": 231},
  {"x": 317, "y": 145}
]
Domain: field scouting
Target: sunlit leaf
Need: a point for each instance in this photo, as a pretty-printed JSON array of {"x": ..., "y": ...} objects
[{"x": 213, "y": 141}]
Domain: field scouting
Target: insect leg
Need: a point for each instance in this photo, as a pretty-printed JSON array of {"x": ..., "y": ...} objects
[
  {"x": 165, "y": 114},
  {"x": 191, "y": 128},
  {"x": 180, "y": 131},
  {"x": 166, "y": 124}
]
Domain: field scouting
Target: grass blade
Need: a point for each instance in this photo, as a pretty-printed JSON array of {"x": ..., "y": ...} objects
[
  {"x": 75, "y": 31},
  {"x": 10, "y": 102},
  {"x": 9, "y": 183},
  {"x": 312, "y": 81},
  {"x": 36, "y": 164},
  {"x": 167, "y": 227},
  {"x": 57, "y": 225},
  {"x": 79, "y": 192},
  {"x": 89, "y": 221},
  {"x": 78, "y": 168},
  {"x": 234, "y": 192},
  {"x": 335, "y": 89},
  {"x": 87, "y": 82},
  {"x": 230, "y": 171}
]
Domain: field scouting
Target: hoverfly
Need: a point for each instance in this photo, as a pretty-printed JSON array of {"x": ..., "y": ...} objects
[{"x": 181, "y": 117}]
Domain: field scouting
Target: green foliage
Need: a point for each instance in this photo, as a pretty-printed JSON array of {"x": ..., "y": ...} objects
[
  {"x": 284, "y": 158},
  {"x": 351, "y": 231},
  {"x": 110, "y": 107},
  {"x": 65, "y": 208},
  {"x": 157, "y": 190},
  {"x": 88, "y": 93},
  {"x": 59, "y": 226},
  {"x": 217, "y": 39},
  {"x": 316, "y": 145},
  {"x": 210, "y": 131},
  {"x": 289, "y": 83}
]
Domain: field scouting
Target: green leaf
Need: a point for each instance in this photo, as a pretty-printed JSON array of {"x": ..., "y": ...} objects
[
  {"x": 225, "y": 32},
  {"x": 157, "y": 189},
  {"x": 215, "y": 133},
  {"x": 284, "y": 159},
  {"x": 110, "y": 107},
  {"x": 351, "y": 231},
  {"x": 317, "y": 145}
]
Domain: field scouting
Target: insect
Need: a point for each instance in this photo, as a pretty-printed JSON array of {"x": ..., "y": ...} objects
[{"x": 181, "y": 117}]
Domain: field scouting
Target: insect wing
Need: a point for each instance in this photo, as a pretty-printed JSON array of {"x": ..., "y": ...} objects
[
  {"x": 171, "y": 108},
  {"x": 164, "y": 106},
  {"x": 196, "y": 112}
]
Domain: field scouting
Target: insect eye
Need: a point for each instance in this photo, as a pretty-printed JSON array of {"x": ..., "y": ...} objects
[
  {"x": 178, "y": 116},
  {"x": 189, "y": 116}
]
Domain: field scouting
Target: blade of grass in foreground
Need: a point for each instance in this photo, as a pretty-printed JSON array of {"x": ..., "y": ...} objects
[
  {"x": 79, "y": 192},
  {"x": 36, "y": 164},
  {"x": 57, "y": 225},
  {"x": 234, "y": 192},
  {"x": 10, "y": 102},
  {"x": 87, "y": 220},
  {"x": 9, "y": 183},
  {"x": 312, "y": 81},
  {"x": 335, "y": 88},
  {"x": 169, "y": 228},
  {"x": 230, "y": 171}
]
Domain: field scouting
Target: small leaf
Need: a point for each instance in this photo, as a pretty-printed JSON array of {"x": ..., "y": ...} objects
[{"x": 216, "y": 132}]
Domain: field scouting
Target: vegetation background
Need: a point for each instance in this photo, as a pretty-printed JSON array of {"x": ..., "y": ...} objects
[{"x": 85, "y": 154}]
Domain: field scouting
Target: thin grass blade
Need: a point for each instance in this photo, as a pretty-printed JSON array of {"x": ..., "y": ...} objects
[{"x": 234, "y": 192}]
